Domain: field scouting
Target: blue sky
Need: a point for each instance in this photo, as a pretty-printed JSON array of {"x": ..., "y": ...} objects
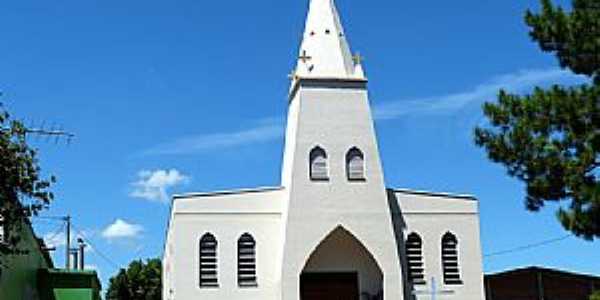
[{"x": 180, "y": 96}]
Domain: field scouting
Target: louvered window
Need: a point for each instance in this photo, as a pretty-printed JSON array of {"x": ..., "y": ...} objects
[
  {"x": 247, "y": 261},
  {"x": 414, "y": 258},
  {"x": 450, "y": 260},
  {"x": 208, "y": 261},
  {"x": 318, "y": 164},
  {"x": 355, "y": 165}
]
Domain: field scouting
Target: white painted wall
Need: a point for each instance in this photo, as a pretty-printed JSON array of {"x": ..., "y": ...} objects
[
  {"x": 431, "y": 216},
  {"x": 257, "y": 213},
  {"x": 334, "y": 115}
]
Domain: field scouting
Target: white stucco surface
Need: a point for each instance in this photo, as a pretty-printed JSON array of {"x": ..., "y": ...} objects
[{"x": 257, "y": 212}]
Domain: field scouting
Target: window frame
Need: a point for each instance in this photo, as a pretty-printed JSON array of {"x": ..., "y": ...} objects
[
  {"x": 252, "y": 266},
  {"x": 314, "y": 154},
  {"x": 213, "y": 260},
  {"x": 451, "y": 271},
  {"x": 351, "y": 154},
  {"x": 416, "y": 258}
]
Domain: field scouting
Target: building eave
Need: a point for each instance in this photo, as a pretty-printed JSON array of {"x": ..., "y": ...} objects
[
  {"x": 316, "y": 82},
  {"x": 538, "y": 269},
  {"x": 434, "y": 194},
  {"x": 227, "y": 192}
]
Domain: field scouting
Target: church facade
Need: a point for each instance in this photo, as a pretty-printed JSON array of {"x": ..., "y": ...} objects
[{"x": 332, "y": 230}]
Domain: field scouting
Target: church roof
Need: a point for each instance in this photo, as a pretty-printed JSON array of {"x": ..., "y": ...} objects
[
  {"x": 229, "y": 192},
  {"x": 547, "y": 270},
  {"x": 434, "y": 194},
  {"x": 324, "y": 52}
]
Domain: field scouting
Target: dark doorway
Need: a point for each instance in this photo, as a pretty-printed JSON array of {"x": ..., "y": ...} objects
[{"x": 329, "y": 286}]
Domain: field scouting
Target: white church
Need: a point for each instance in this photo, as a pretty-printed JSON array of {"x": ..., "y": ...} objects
[{"x": 332, "y": 230}]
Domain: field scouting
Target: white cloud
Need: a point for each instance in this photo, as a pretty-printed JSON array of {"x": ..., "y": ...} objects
[
  {"x": 516, "y": 82},
  {"x": 265, "y": 130},
  {"x": 122, "y": 230},
  {"x": 153, "y": 185}
]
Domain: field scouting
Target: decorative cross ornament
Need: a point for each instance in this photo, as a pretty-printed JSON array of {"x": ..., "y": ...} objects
[
  {"x": 434, "y": 292},
  {"x": 358, "y": 59},
  {"x": 293, "y": 74},
  {"x": 305, "y": 57}
]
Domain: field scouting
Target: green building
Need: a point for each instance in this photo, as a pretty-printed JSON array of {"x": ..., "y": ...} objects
[
  {"x": 57, "y": 284},
  {"x": 32, "y": 275}
]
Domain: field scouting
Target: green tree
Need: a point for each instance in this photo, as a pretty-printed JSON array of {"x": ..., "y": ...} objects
[
  {"x": 141, "y": 281},
  {"x": 23, "y": 192},
  {"x": 595, "y": 296},
  {"x": 550, "y": 139}
]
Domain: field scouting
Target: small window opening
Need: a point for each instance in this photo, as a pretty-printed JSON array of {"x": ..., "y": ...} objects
[
  {"x": 247, "y": 261},
  {"x": 414, "y": 258},
  {"x": 450, "y": 259},
  {"x": 355, "y": 165},
  {"x": 208, "y": 261},
  {"x": 318, "y": 165}
]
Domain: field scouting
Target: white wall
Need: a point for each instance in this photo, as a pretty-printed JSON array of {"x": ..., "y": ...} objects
[
  {"x": 335, "y": 116},
  {"x": 431, "y": 216},
  {"x": 194, "y": 216}
]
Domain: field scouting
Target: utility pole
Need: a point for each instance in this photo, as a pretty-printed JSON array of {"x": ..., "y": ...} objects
[{"x": 67, "y": 219}]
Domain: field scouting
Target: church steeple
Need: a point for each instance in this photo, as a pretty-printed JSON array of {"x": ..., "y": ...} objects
[{"x": 324, "y": 52}]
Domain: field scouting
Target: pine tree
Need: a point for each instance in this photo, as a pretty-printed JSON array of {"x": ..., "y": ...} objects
[{"x": 550, "y": 139}]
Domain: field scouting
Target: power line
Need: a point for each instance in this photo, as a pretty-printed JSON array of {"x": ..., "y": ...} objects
[
  {"x": 96, "y": 250},
  {"x": 46, "y": 221},
  {"x": 50, "y": 218},
  {"x": 60, "y": 228},
  {"x": 81, "y": 234},
  {"x": 528, "y": 247}
]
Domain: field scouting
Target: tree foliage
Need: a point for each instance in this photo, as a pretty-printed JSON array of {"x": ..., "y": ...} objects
[
  {"x": 141, "y": 281},
  {"x": 23, "y": 192},
  {"x": 550, "y": 139},
  {"x": 595, "y": 296}
]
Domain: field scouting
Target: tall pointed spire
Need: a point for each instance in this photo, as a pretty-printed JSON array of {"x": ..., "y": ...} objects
[{"x": 324, "y": 52}]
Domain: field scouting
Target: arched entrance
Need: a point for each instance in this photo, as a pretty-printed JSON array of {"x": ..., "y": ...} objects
[{"x": 341, "y": 268}]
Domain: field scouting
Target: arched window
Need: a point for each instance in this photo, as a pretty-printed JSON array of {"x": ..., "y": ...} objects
[
  {"x": 318, "y": 164},
  {"x": 450, "y": 259},
  {"x": 247, "y": 261},
  {"x": 414, "y": 259},
  {"x": 355, "y": 165},
  {"x": 208, "y": 261}
]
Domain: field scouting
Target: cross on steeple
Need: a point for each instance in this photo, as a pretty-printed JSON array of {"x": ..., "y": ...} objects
[
  {"x": 293, "y": 74},
  {"x": 357, "y": 58},
  {"x": 304, "y": 57},
  {"x": 434, "y": 292}
]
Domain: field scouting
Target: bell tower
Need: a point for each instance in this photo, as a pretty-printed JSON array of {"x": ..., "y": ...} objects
[{"x": 329, "y": 111}]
